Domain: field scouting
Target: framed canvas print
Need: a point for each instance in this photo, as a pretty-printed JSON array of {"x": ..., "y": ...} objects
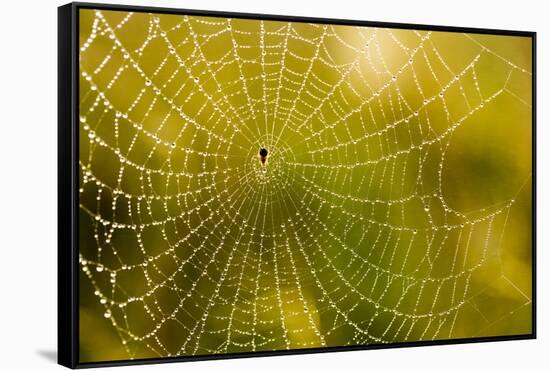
[{"x": 237, "y": 185}]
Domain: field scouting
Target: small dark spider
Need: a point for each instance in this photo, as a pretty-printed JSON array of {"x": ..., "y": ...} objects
[{"x": 263, "y": 155}]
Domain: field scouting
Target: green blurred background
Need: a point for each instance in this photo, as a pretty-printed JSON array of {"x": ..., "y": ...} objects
[{"x": 395, "y": 204}]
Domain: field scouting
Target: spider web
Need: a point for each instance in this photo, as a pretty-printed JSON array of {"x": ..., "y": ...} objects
[{"x": 345, "y": 236}]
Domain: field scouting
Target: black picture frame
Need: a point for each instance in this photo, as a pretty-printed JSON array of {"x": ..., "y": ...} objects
[{"x": 68, "y": 182}]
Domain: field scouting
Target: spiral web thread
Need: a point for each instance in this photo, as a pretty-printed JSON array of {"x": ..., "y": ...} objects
[{"x": 313, "y": 248}]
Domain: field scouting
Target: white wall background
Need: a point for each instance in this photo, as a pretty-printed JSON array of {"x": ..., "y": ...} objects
[{"x": 28, "y": 168}]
